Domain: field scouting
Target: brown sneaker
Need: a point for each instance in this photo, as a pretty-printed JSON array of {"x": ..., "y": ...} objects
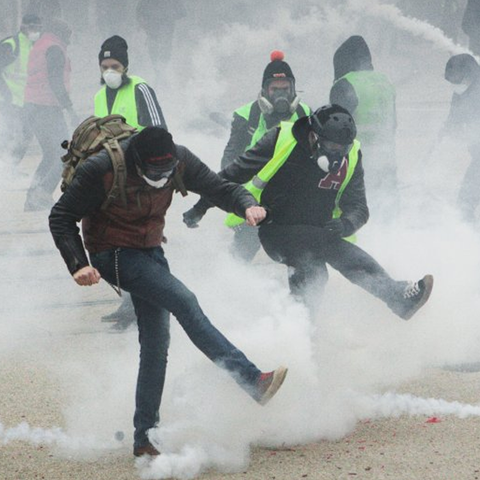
[
  {"x": 147, "y": 449},
  {"x": 268, "y": 385}
]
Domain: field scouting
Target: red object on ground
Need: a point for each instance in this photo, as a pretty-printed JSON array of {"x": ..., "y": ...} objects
[{"x": 433, "y": 420}]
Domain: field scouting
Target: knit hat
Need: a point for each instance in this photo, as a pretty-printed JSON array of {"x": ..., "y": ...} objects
[
  {"x": 277, "y": 68},
  {"x": 114, "y": 47},
  {"x": 154, "y": 146}
]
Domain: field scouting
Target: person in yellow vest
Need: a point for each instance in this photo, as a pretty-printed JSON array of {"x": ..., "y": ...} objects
[
  {"x": 14, "y": 53},
  {"x": 132, "y": 97},
  {"x": 125, "y": 94},
  {"x": 309, "y": 177},
  {"x": 370, "y": 97},
  {"x": 277, "y": 101}
]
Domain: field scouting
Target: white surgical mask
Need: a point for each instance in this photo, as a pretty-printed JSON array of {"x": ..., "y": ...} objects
[
  {"x": 112, "y": 78},
  {"x": 460, "y": 88},
  {"x": 156, "y": 183},
  {"x": 33, "y": 36}
]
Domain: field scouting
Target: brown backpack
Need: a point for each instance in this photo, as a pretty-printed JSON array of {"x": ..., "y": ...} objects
[{"x": 91, "y": 136}]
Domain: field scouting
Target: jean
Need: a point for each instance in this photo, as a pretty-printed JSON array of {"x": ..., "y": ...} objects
[{"x": 145, "y": 274}]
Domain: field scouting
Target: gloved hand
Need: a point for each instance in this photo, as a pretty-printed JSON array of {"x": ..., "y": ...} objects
[
  {"x": 192, "y": 217},
  {"x": 335, "y": 227}
]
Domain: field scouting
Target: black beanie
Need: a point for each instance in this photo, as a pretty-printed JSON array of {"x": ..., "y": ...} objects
[
  {"x": 277, "y": 68},
  {"x": 114, "y": 47},
  {"x": 154, "y": 145}
]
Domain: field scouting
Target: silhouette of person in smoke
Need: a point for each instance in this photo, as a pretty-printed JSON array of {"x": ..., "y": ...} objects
[{"x": 463, "y": 122}]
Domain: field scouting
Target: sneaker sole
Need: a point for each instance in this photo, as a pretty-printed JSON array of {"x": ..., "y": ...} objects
[
  {"x": 278, "y": 378},
  {"x": 428, "y": 282}
]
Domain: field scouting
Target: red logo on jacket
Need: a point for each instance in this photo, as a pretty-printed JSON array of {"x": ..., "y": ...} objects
[{"x": 333, "y": 181}]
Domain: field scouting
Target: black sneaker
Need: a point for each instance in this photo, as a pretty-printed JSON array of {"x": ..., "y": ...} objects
[
  {"x": 268, "y": 384},
  {"x": 415, "y": 296}
]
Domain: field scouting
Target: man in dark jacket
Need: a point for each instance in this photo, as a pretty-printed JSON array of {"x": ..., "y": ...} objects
[
  {"x": 315, "y": 200},
  {"x": 124, "y": 243},
  {"x": 277, "y": 102},
  {"x": 370, "y": 97},
  {"x": 47, "y": 96},
  {"x": 463, "y": 123}
]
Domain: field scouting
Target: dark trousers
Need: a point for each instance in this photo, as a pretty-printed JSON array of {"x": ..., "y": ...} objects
[
  {"x": 145, "y": 274},
  {"x": 49, "y": 127},
  {"x": 307, "y": 249}
]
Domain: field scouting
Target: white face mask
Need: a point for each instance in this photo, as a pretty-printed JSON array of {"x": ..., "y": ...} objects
[
  {"x": 112, "y": 78},
  {"x": 460, "y": 88},
  {"x": 156, "y": 183},
  {"x": 33, "y": 36}
]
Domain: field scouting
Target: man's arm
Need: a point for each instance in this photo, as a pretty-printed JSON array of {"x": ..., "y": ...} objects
[
  {"x": 226, "y": 195},
  {"x": 84, "y": 195},
  {"x": 56, "y": 71},
  {"x": 342, "y": 93},
  {"x": 6, "y": 58},
  {"x": 149, "y": 111},
  {"x": 353, "y": 202},
  {"x": 238, "y": 141}
]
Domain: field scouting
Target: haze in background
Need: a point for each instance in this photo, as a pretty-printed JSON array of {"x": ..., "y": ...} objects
[{"x": 345, "y": 364}]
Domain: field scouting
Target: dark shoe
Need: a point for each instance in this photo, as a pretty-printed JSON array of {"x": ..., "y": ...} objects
[
  {"x": 268, "y": 384},
  {"x": 415, "y": 296},
  {"x": 147, "y": 449}
]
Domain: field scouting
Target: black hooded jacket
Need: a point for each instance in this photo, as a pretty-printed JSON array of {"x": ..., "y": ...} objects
[{"x": 298, "y": 193}]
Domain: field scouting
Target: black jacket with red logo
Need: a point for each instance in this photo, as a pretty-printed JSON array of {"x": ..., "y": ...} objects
[
  {"x": 300, "y": 193},
  {"x": 140, "y": 223}
]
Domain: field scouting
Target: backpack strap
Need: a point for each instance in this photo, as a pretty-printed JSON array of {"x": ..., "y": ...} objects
[
  {"x": 119, "y": 173},
  {"x": 177, "y": 180}
]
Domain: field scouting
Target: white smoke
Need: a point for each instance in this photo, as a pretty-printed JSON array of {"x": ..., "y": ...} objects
[{"x": 341, "y": 362}]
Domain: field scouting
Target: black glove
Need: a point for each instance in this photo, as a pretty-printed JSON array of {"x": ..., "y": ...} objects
[
  {"x": 335, "y": 227},
  {"x": 192, "y": 217}
]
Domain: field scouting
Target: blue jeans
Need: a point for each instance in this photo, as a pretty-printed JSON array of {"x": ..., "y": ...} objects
[{"x": 145, "y": 274}]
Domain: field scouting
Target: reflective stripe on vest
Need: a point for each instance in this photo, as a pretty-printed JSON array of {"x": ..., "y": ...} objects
[
  {"x": 15, "y": 74},
  {"x": 261, "y": 129},
  {"x": 375, "y": 113},
  {"x": 352, "y": 164},
  {"x": 124, "y": 104},
  {"x": 284, "y": 146}
]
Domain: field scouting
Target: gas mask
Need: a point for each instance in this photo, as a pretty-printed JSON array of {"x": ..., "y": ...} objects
[
  {"x": 329, "y": 155},
  {"x": 280, "y": 101},
  {"x": 113, "y": 79}
]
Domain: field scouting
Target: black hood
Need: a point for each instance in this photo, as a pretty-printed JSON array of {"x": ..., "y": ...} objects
[
  {"x": 462, "y": 67},
  {"x": 352, "y": 55}
]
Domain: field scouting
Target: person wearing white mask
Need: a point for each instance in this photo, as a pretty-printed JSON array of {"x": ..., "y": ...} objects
[
  {"x": 124, "y": 242},
  {"x": 132, "y": 97},
  {"x": 14, "y": 53},
  {"x": 463, "y": 123},
  {"x": 124, "y": 94}
]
